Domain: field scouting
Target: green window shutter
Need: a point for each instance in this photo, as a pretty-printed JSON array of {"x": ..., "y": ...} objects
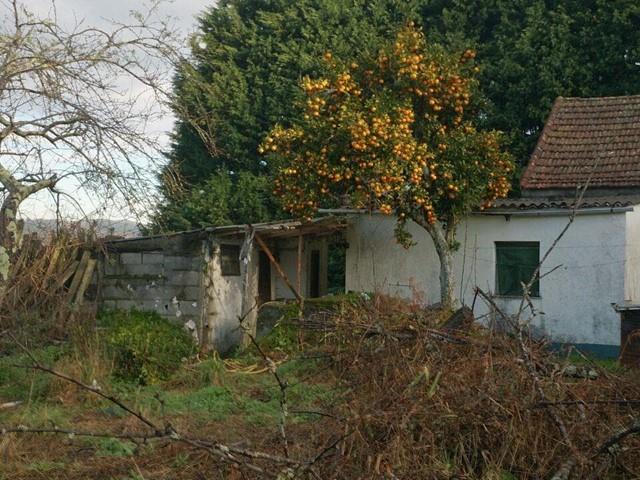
[{"x": 515, "y": 264}]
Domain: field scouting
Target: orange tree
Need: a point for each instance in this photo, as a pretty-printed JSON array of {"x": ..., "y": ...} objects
[{"x": 393, "y": 133}]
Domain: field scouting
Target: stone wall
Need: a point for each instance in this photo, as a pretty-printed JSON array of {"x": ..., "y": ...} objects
[{"x": 168, "y": 283}]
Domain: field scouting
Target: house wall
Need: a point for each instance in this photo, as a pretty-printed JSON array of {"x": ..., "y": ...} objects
[
  {"x": 169, "y": 283},
  {"x": 632, "y": 265},
  {"x": 576, "y": 298}
]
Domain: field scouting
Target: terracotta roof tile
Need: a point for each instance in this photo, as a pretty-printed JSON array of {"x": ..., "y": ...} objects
[
  {"x": 565, "y": 203},
  {"x": 578, "y": 132}
]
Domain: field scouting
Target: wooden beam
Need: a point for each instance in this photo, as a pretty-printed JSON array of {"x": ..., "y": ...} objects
[
  {"x": 299, "y": 261},
  {"x": 79, "y": 273},
  {"x": 277, "y": 266},
  {"x": 84, "y": 283}
]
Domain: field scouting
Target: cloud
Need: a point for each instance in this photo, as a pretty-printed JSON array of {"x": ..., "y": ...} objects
[
  {"x": 95, "y": 11},
  {"x": 100, "y": 13}
]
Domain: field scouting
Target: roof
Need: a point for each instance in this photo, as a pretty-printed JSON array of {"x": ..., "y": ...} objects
[
  {"x": 617, "y": 202},
  {"x": 283, "y": 228},
  {"x": 188, "y": 239},
  {"x": 584, "y": 135}
]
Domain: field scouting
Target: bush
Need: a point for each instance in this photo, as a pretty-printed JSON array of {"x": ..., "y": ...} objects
[{"x": 146, "y": 347}]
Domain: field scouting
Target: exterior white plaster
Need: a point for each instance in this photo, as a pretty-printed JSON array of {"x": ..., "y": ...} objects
[
  {"x": 596, "y": 255},
  {"x": 224, "y": 294},
  {"x": 632, "y": 266}
]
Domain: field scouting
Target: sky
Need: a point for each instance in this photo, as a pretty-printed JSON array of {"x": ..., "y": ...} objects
[{"x": 99, "y": 13}]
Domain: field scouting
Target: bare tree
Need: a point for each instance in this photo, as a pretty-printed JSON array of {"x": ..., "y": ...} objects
[{"x": 77, "y": 103}]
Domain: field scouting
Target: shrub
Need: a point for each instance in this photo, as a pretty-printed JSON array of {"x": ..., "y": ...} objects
[{"x": 146, "y": 347}]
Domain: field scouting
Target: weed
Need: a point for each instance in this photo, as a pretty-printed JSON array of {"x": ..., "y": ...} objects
[
  {"x": 181, "y": 460},
  {"x": 113, "y": 447},
  {"x": 26, "y": 384},
  {"x": 45, "y": 466},
  {"x": 146, "y": 347},
  {"x": 42, "y": 414},
  {"x": 213, "y": 402},
  {"x": 203, "y": 374},
  {"x": 610, "y": 365}
]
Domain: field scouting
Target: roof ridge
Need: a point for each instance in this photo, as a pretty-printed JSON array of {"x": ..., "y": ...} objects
[{"x": 610, "y": 97}]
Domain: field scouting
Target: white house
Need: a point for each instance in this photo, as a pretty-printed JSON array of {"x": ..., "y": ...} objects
[{"x": 596, "y": 264}]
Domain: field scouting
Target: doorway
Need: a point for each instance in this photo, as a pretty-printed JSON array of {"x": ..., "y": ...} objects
[
  {"x": 264, "y": 278},
  {"x": 314, "y": 274}
]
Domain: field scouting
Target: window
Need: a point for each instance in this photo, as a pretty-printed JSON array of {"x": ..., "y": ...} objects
[
  {"x": 230, "y": 259},
  {"x": 515, "y": 264}
]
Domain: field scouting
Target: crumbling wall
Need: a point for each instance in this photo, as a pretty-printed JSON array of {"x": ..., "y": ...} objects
[
  {"x": 229, "y": 297},
  {"x": 169, "y": 283}
]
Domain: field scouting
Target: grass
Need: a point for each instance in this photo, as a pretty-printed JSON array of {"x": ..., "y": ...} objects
[
  {"x": 26, "y": 384},
  {"x": 203, "y": 395},
  {"x": 203, "y": 392},
  {"x": 610, "y": 365},
  {"x": 113, "y": 447},
  {"x": 45, "y": 466}
]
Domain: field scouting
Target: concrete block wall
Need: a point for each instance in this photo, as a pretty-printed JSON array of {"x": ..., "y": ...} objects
[{"x": 167, "y": 283}]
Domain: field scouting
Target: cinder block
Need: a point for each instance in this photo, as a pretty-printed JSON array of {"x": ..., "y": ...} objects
[
  {"x": 145, "y": 270},
  {"x": 161, "y": 294},
  {"x": 113, "y": 268},
  {"x": 182, "y": 262},
  {"x": 188, "y": 308},
  {"x": 133, "y": 284},
  {"x": 109, "y": 304},
  {"x": 193, "y": 294},
  {"x": 184, "y": 278},
  {"x": 116, "y": 292},
  {"x": 146, "y": 305},
  {"x": 153, "y": 258},
  {"x": 129, "y": 258}
]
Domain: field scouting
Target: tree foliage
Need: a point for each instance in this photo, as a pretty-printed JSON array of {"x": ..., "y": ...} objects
[
  {"x": 532, "y": 51},
  {"x": 221, "y": 199},
  {"x": 249, "y": 57},
  {"x": 395, "y": 133}
]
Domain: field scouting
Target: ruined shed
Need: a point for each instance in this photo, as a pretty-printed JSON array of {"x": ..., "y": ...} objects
[{"x": 208, "y": 279}]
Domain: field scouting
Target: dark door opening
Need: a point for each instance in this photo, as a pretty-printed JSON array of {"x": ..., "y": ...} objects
[
  {"x": 314, "y": 274},
  {"x": 264, "y": 278},
  {"x": 336, "y": 266}
]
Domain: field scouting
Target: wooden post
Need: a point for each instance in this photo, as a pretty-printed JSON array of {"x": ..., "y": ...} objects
[
  {"x": 84, "y": 282},
  {"x": 79, "y": 273},
  {"x": 299, "y": 262},
  {"x": 301, "y": 300},
  {"x": 278, "y": 268}
]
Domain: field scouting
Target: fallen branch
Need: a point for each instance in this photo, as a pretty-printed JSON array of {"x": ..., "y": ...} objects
[
  {"x": 617, "y": 437},
  {"x": 544, "y": 404}
]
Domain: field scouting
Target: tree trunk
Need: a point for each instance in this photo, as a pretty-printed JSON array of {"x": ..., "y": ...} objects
[
  {"x": 443, "y": 238},
  {"x": 10, "y": 239}
]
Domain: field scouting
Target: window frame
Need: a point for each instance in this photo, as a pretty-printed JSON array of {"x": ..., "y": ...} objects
[
  {"x": 232, "y": 252},
  {"x": 535, "y": 288}
]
